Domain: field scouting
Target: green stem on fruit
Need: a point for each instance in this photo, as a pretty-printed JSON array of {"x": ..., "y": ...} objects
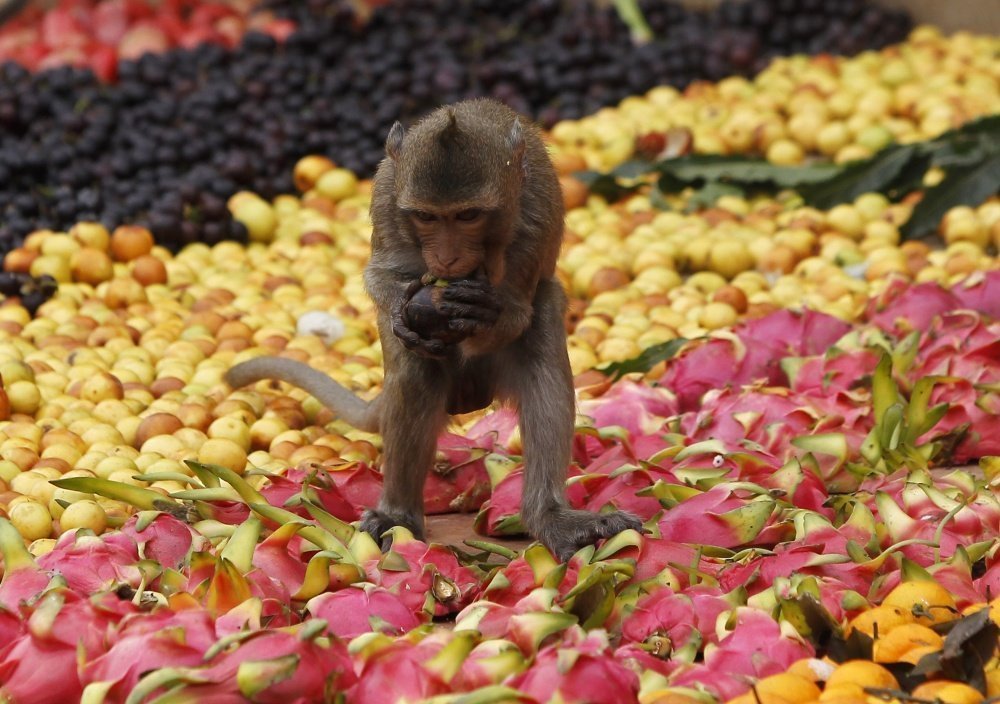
[{"x": 631, "y": 15}]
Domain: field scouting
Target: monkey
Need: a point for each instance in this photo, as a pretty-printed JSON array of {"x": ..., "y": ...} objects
[{"x": 467, "y": 194}]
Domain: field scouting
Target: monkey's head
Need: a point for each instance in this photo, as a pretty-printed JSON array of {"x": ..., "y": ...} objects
[{"x": 458, "y": 180}]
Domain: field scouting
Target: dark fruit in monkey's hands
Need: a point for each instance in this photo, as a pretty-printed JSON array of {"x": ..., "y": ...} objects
[{"x": 424, "y": 315}]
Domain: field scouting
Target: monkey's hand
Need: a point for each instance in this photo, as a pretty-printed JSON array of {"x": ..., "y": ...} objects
[
  {"x": 472, "y": 306},
  {"x": 412, "y": 340}
]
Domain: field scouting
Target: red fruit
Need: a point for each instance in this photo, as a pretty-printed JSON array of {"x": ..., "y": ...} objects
[
  {"x": 148, "y": 642},
  {"x": 364, "y": 609},
  {"x": 581, "y": 671},
  {"x": 142, "y": 38},
  {"x": 110, "y": 21},
  {"x": 103, "y": 62},
  {"x": 62, "y": 28}
]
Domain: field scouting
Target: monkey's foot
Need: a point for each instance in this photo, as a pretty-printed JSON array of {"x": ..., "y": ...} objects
[
  {"x": 377, "y": 523},
  {"x": 565, "y": 531}
]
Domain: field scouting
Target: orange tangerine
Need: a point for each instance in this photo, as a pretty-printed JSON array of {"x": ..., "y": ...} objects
[
  {"x": 993, "y": 683},
  {"x": 812, "y": 669},
  {"x": 762, "y": 698},
  {"x": 927, "y": 600},
  {"x": 863, "y": 673},
  {"x": 885, "y": 617},
  {"x": 897, "y": 643},
  {"x": 794, "y": 688},
  {"x": 845, "y": 690},
  {"x": 948, "y": 692}
]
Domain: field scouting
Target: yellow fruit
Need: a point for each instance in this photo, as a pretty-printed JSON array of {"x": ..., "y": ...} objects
[
  {"x": 794, "y": 688},
  {"x": 948, "y": 692},
  {"x": 863, "y": 673},
  {"x": 729, "y": 257},
  {"x": 885, "y": 617},
  {"x": 843, "y": 691},
  {"x": 927, "y": 600},
  {"x": 898, "y": 644}
]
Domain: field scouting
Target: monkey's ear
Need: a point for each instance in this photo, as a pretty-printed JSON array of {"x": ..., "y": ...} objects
[
  {"x": 394, "y": 142},
  {"x": 515, "y": 141}
]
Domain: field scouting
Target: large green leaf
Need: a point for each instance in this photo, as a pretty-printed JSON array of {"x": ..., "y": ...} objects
[
  {"x": 645, "y": 361},
  {"x": 874, "y": 174},
  {"x": 695, "y": 169},
  {"x": 964, "y": 185}
]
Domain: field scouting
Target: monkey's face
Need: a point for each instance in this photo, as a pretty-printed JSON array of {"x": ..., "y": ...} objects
[{"x": 454, "y": 241}]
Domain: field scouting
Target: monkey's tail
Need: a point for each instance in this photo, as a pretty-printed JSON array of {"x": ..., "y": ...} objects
[{"x": 363, "y": 415}]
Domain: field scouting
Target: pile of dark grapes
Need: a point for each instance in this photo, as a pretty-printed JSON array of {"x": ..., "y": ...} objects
[{"x": 182, "y": 131}]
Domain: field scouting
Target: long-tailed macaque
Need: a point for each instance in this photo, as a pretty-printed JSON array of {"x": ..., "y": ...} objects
[{"x": 470, "y": 196}]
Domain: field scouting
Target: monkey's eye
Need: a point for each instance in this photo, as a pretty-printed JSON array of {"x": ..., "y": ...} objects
[
  {"x": 469, "y": 215},
  {"x": 424, "y": 216}
]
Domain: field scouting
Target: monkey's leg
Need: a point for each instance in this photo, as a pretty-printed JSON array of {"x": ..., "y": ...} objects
[
  {"x": 412, "y": 416},
  {"x": 542, "y": 384}
]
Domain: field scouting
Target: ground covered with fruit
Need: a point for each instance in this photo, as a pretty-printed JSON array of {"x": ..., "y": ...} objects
[{"x": 784, "y": 324}]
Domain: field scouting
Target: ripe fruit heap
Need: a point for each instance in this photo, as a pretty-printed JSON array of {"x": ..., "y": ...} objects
[
  {"x": 183, "y": 130},
  {"x": 802, "y": 410}
]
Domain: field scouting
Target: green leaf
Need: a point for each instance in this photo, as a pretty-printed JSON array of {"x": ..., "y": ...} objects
[
  {"x": 645, "y": 361},
  {"x": 874, "y": 174},
  {"x": 965, "y": 185},
  {"x": 605, "y": 185},
  {"x": 706, "y": 196},
  {"x": 695, "y": 169}
]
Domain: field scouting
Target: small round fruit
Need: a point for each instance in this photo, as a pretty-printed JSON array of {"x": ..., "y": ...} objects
[
  {"x": 24, "y": 397},
  {"x": 863, "y": 673},
  {"x": 897, "y": 644},
  {"x": 785, "y": 152},
  {"x": 129, "y": 242},
  {"x": 730, "y": 257},
  {"x": 149, "y": 270},
  {"x": 31, "y": 519},
  {"x": 927, "y": 600},
  {"x": 425, "y": 317},
  {"x": 91, "y": 266},
  {"x": 84, "y": 514},
  {"x": 337, "y": 184},
  {"x": 309, "y": 169},
  {"x": 717, "y": 315},
  {"x": 223, "y": 452},
  {"x": 884, "y": 618},
  {"x": 947, "y": 692}
]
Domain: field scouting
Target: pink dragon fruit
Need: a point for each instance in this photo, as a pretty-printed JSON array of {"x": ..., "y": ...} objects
[
  {"x": 270, "y": 666},
  {"x": 756, "y": 647},
  {"x": 398, "y": 672},
  {"x": 496, "y": 430},
  {"x": 837, "y": 370},
  {"x": 675, "y": 616},
  {"x": 23, "y": 581},
  {"x": 41, "y": 664},
  {"x": 904, "y": 306},
  {"x": 363, "y": 609},
  {"x": 458, "y": 481},
  {"x": 426, "y": 577},
  {"x": 716, "y": 517},
  {"x": 528, "y": 624},
  {"x": 637, "y": 407},
  {"x": 489, "y": 663},
  {"x": 91, "y": 564},
  {"x": 326, "y": 490},
  {"x": 534, "y": 567},
  {"x": 579, "y": 669},
  {"x": 980, "y": 292},
  {"x": 163, "y": 538},
  {"x": 147, "y": 642}
]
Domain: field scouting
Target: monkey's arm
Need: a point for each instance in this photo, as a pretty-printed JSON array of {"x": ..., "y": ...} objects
[{"x": 361, "y": 414}]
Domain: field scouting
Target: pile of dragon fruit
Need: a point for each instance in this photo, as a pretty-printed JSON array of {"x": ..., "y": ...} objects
[{"x": 790, "y": 471}]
